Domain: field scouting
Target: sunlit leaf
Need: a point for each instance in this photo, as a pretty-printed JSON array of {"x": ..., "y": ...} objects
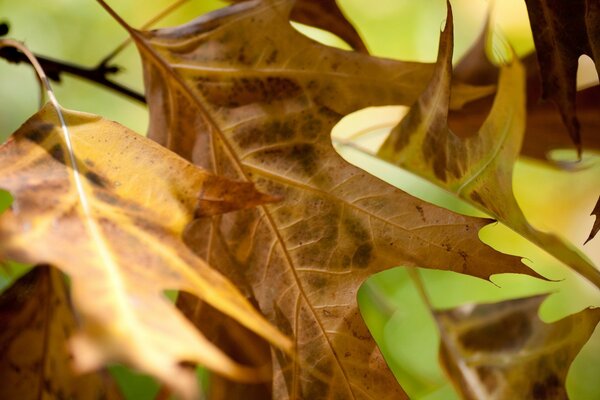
[
  {"x": 37, "y": 320},
  {"x": 504, "y": 351},
  {"x": 266, "y": 118},
  {"x": 477, "y": 168},
  {"x": 115, "y": 225}
]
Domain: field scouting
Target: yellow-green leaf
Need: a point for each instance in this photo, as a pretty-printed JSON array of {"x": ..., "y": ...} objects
[{"x": 114, "y": 224}]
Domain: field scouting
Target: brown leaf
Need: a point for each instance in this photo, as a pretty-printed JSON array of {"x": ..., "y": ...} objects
[
  {"x": 37, "y": 321},
  {"x": 563, "y": 30},
  {"x": 114, "y": 225},
  {"x": 267, "y": 117},
  {"x": 544, "y": 130},
  {"x": 326, "y": 15},
  {"x": 595, "y": 212},
  {"x": 239, "y": 343},
  {"x": 504, "y": 351},
  {"x": 477, "y": 168}
]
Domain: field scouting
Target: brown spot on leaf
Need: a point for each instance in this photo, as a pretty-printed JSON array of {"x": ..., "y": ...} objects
[{"x": 507, "y": 334}]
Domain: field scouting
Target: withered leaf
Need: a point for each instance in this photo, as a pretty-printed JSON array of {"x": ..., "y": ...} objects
[
  {"x": 544, "y": 129},
  {"x": 326, "y": 15},
  {"x": 595, "y": 212},
  {"x": 267, "y": 117},
  {"x": 563, "y": 30},
  {"x": 115, "y": 227},
  {"x": 477, "y": 168},
  {"x": 505, "y": 351},
  {"x": 37, "y": 320}
]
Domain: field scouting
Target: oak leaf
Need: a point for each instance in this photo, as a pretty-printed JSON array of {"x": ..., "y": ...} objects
[
  {"x": 37, "y": 320},
  {"x": 477, "y": 168},
  {"x": 266, "y": 118},
  {"x": 544, "y": 129},
  {"x": 563, "y": 30},
  {"x": 505, "y": 351},
  {"x": 111, "y": 213}
]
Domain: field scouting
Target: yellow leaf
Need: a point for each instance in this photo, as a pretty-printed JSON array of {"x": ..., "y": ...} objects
[{"x": 114, "y": 224}]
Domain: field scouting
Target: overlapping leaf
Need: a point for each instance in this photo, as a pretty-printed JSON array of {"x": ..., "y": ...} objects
[
  {"x": 266, "y": 117},
  {"x": 563, "y": 30},
  {"x": 37, "y": 321},
  {"x": 115, "y": 227},
  {"x": 504, "y": 351},
  {"x": 326, "y": 15},
  {"x": 477, "y": 168},
  {"x": 544, "y": 129}
]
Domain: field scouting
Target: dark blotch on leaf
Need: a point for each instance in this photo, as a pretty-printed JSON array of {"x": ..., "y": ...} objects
[
  {"x": 41, "y": 132},
  {"x": 362, "y": 255},
  {"x": 550, "y": 388},
  {"x": 508, "y": 334},
  {"x": 95, "y": 179},
  {"x": 57, "y": 153}
]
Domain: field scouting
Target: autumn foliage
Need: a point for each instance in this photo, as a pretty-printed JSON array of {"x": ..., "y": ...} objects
[{"x": 238, "y": 200}]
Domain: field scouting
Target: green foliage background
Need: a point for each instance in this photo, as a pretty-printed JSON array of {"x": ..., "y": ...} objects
[{"x": 80, "y": 32}]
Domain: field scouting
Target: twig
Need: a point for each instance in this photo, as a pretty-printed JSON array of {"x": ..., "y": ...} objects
[{"x": 55, "y": 68}]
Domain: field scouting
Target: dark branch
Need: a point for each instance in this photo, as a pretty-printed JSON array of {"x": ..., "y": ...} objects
[{"x": 55, "y": 68}]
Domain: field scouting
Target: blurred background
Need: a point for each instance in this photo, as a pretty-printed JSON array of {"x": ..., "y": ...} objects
[{"x": 558, "y": 201}]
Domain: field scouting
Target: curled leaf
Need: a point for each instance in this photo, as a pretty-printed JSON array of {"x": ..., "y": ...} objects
[
  {"x": 477, "y": 168},
  {"x": 326, "y": 15}
]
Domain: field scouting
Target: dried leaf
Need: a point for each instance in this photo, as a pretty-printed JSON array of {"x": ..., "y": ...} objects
[
  {"x": 267, "y": 117},
  {"x": 326, "y": 15},
  {"x": 563, "y": 30},
  {"x": 37, "y": 320},
  {"x": 595, "y": 212},
  {"x": 544, "y": 130},
  {"x": 117, "y": 232},
  {"x": 477, "y": 168},
  {"x": 238, "y": 342},
  {"x": 504, "y": 351}
]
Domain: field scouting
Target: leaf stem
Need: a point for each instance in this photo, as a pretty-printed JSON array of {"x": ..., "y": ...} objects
[{"x": 165, "y": 12}]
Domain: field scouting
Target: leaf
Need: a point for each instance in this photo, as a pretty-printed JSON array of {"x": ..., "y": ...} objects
[
  {"x": 544, "y": 130},
  {"x": 477, "y": 168},
  {"x": 595, "y": 212},
  {"x": 504, "y": 351},
  {"x": 238, "y": 342},
  {"x": 37, "y": 320},
  {"x": 326, "y": 15},
  {"x": 563, "y": 30},
  {"x": 267, "y": 118},
  {"x": 115, "y": 225}
]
